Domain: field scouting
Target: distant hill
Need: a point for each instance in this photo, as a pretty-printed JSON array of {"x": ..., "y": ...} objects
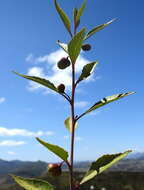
[
  {"x": 20, "y": 168},
  {"x": 137, "y": 155},
  {"x": 17, "y": 167},
  {"x": 133, "y": 165}
]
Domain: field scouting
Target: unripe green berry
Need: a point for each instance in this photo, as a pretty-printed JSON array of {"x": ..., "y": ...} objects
[
  {"x": 86, "y": 47},
  {"x": 55, "y": 169},
  {"x": 63, "y": 63},
  {"x": 61, "y": 88}
]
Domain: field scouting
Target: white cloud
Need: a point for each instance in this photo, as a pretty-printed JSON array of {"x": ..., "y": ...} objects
[
  {"x": 23, "y": 132},
  {"x": 12, "y": 143},
  {"x": 81, "y": 104},
  {"x": 51, "y": 72},
  {"x": 2, "y": 99},
  {"x": 38, "y": 71},
  {"x": 49, "y": 133},
  {"x": 35, "y": 71},
  {"x": 42, "y": 59},
  {"x": 11, "y": 152}
]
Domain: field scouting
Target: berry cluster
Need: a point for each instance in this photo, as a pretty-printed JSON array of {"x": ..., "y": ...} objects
[{"x": 64, "y": 62}]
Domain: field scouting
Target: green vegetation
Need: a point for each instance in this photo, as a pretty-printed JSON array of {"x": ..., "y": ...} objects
[{"x": 110, "y": 180}]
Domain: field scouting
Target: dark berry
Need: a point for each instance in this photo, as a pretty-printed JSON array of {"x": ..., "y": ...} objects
[
  {"x": 55, "y": 169},
  {"x": 61, "y": 88},
  {"x": 86, "y": 47},
  {"x": 63, "y": 63}
]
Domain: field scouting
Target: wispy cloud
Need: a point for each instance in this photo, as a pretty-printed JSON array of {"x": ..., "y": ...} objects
[
  {"x": 2, "y": 99},
  {"x": 51, "y": 71},
  {"x": 11, "y": 152},
  {"x": 66, "y": 137},
  {"x": 81, "y": 104},
  {"x": 77, "y": 138},
  {"x": 23, "y": 132},
  {"x": 30, "y": 58},
  {"x": 95, "y": 113},
  {"x": 12, "y": 143}
]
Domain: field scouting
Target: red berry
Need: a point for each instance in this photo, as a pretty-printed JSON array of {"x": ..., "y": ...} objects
[
  {"x": 61, "y": 88},
  {"x": 63, "y": 63},
  {"x": 86, "y": 47},
  {"x": 55, "y": 169}
]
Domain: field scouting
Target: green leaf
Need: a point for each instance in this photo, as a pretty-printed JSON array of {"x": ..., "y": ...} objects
[
  {"x": 97, "y": 28},
  {"x": 107, "y": 100},
  {"x": 76, "y": 23},
  {"x": 55, "y": 149},
  {"x": 75, "y": 11},
  {"x": 63, "y": 17},
  {"x": 68, "y": 124},
  {"x": 74, "y": 46},
  {"x": 63, "y": 46},
  {"x": 39, "y": 80},
  {"x": 80, "y": 11},
  {"x": 102, "y": 164},
  {"x": 87, "y": 71},
  {"x": 33, "y": 184}
]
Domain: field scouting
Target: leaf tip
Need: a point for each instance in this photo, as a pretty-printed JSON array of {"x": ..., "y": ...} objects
[
  {"x": 58, "y": 41},
  {"x": 14, "y": 72},
  {"x": 11, "y": 175},
  {"x": 37, "y": 138},
  {"x": 129, "y": 93},
  {"x": 129, "y": 151},
  {"x": 85, "y": 2},
  {"x": 113, "y": 20}
]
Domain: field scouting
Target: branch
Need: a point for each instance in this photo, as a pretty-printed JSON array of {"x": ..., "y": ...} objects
[{"x": 66, "y": 97}]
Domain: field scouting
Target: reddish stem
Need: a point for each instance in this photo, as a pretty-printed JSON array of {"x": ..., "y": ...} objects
[{"x": 73, "y": 128}]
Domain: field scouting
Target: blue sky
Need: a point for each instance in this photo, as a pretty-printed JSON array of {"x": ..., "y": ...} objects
[{"x": 28, "y": 35}]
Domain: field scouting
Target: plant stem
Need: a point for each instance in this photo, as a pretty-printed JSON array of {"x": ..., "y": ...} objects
[{"x": 73, "y": 127}]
